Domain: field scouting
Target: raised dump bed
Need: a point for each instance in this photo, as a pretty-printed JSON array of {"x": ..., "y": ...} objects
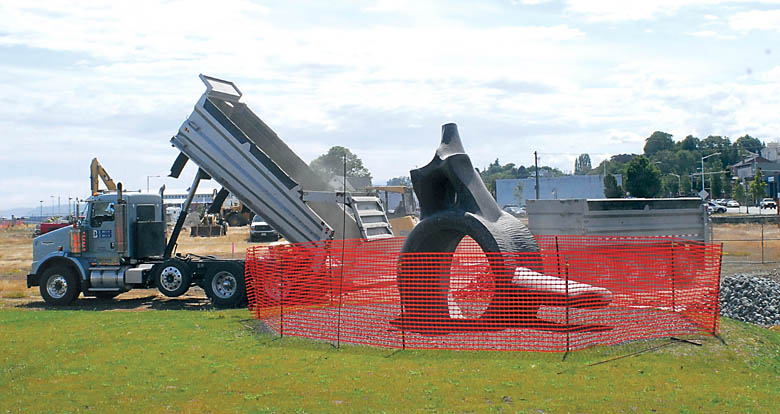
[{"x": 238, "y": 150}]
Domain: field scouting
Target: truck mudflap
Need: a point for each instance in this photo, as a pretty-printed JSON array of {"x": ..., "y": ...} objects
[{"x": 33, "y": 280}]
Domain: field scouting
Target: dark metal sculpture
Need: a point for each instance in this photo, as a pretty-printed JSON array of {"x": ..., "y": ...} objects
[{"x": 455, "y": 203}]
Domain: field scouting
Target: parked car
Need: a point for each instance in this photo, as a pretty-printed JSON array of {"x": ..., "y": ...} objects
[
  {"x": 768, "y": 203},
  {"x": 715, "y": 208},
  {"x": 515, "y": 210},
  {"x": 721, "y": 201},
  {"x": 732, "y": 203},
  {"x": 260, "y": 230}
]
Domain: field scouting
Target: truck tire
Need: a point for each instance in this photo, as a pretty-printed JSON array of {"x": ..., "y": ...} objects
[
  {"x": 173, "y": 277},
  {"x": 225, "y": 285},
  {"x": 234, "y": 220},
  {"x": 59, "y": 285}
]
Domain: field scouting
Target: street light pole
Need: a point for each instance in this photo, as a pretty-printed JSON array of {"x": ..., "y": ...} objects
[
  {"x": 679, "y": 183},
  {"x": 702, "y": 168}
]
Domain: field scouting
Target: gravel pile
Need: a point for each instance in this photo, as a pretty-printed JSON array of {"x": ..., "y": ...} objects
[{"x": 750, "y": 299}]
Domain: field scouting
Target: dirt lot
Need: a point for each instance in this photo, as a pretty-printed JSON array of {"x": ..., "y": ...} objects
[{"x": 742, "y": 254}]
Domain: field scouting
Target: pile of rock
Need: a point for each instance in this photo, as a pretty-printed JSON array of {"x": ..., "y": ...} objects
[{"x": 750, "y": 299}]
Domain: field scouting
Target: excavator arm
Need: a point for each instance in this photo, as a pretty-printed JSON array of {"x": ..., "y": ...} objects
[{"x": 96, "y": 170}]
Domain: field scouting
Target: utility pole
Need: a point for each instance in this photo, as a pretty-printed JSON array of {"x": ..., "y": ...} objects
[{"x": 536, "y": 167}]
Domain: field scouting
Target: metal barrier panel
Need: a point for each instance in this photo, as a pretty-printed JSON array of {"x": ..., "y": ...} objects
[
  {"x": 577, "y": 292},
  {"x": 675, "y": 217}
]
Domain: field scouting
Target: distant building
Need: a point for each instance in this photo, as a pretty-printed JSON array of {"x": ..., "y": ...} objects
[
  {"x": 745, "y": 170},
  {"x": 517, "y": 191},
  {"x": 771, "y": 152},
  {"x": 176, "y": 199}
]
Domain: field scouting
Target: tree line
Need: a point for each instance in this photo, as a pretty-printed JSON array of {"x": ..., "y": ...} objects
[
  {"x": 666, "y": 168},
  {"x": 669, "y": 168}
]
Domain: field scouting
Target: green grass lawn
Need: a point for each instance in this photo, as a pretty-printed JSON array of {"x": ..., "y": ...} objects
[{"x": 209, "y": 361}]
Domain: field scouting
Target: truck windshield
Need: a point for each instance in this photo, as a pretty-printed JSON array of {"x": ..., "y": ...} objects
[{"x": 101, "y": 211}]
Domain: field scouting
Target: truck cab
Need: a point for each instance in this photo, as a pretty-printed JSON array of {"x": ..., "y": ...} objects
[{"x": 109, "y": 250}]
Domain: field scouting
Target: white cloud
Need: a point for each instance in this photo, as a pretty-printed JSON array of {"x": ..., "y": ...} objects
[
  {"x": 636, "y": 10},
  {"x": 530, "y": 2},
  {"x": 756, "y": 20},
  {"x": 711, "y": 34},
  {"x": 381, "y": 87},
  {"x": 622, "y": 10}
]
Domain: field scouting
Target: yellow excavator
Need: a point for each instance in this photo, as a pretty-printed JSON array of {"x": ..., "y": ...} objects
[
  {"x": 96, "y": 170},
  {"x": 403, "y": 217}
]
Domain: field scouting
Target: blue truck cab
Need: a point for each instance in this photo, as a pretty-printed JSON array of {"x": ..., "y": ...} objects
[{"x": 108, "y": 251}]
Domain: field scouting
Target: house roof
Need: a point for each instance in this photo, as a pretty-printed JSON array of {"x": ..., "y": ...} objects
[{"x": 753, "y": 158}]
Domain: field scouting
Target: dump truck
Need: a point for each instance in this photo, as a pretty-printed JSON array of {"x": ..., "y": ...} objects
[{"x": 121, "y": 242}]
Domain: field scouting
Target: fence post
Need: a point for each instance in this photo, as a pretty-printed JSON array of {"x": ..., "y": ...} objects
[
  {"x": 281, "y": 301},
  {"x": 568, "y": 328},
  {"x": 673, "y": 277},
  {"x": 762, "y": 241},
  {"x": 341, "y": 293},
  {"x": 717, "y": 296}
]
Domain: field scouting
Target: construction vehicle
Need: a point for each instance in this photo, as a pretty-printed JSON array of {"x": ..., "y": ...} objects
[
  {"x": 96, "y": 171},
  {"x": 405, "y": 215},
  {"x": 236, "y": 214},
  {"x": 121, "y": 242}
]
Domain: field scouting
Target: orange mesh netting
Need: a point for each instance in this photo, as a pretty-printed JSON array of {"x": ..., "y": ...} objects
[{"x": 578, "y": 291}]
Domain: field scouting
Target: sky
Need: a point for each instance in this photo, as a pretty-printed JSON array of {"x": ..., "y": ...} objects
[{"x": 115, "y": 80}]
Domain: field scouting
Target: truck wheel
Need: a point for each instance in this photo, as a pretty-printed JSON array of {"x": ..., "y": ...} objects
[
  {"x": 225, "y": 285},
  {"x": 173, "y": 278},
  {"x": 234, "y": 221},
  {"x": 59, "y": 286}
]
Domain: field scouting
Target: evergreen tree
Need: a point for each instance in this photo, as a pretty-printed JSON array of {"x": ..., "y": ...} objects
[
  {"x": 403, "y": 180},
  {"x": 642, "y": 178},
  {"x": 739, "y": 193},
  {"x": 758, "y": 186},
  {"x": 331, "y": 164},
  {"x": 717, "y": 186},
  {"x": 582, "y": 164},
  {"x": 611, "y": 187},
  {"x": 686, "y": 186},
  {"x": 727, "y": 188},
  {"x": 658, "y": 141}
]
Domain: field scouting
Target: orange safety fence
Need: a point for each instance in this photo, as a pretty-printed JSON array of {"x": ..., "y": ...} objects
[
  {"x": 6, "y": 223},
  {"x": 576, "y": 292}
]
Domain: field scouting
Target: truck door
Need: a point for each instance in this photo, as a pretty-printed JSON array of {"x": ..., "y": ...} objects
[{"x": 102, "y": 240}]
